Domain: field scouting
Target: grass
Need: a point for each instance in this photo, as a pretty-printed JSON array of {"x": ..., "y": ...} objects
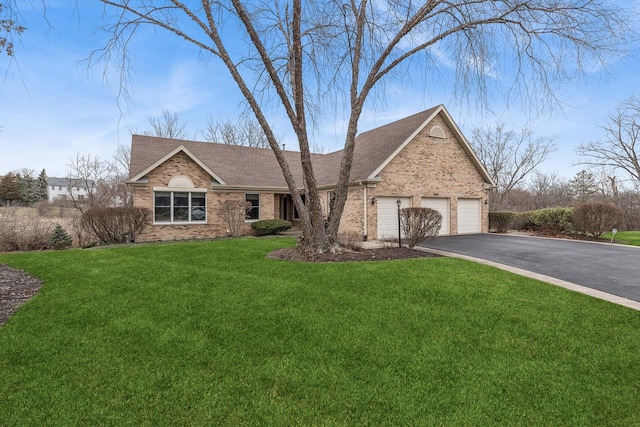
[
  {"x": 627, "y": 237},
  {"x": 214, "y": 333}
]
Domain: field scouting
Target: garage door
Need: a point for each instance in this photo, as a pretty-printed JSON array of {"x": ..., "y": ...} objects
[
  {"x": 441, "y": 205},
  {"x": 469, "y": 216},
  {"x": 388, "y": 215}
]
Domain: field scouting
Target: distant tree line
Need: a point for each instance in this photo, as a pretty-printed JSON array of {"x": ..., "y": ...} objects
[{"x": 23, "y": 188}]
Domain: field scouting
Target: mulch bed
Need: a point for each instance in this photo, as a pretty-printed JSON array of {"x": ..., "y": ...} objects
[
  {"x": 16, "y": 287},
  {"x": 381, "y": 254}
]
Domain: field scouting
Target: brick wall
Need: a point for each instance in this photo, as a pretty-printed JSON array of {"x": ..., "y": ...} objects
[
  {"x": 427, "y": 167},
  {"x": 181, "y": 164}
]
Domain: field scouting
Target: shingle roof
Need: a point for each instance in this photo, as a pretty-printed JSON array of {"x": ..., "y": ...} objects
[
  {"x": 257, "y": 167},
  {"x": 68, "y": 182},
  {"x": 236, "y": 165}
]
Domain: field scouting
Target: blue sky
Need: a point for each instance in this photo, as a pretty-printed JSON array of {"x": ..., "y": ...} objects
[{"x": 53, "y": 105}]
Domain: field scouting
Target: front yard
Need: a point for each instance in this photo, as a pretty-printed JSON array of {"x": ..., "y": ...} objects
[
  {"x": 625, "y": 237},
  {"x": 214, "y": 333}
]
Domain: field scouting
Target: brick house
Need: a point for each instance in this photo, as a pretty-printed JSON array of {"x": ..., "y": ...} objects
[{"x": 421, "y": 160}]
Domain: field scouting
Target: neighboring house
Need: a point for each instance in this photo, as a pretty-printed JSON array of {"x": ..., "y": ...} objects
[
  {"x": 422, "y": 160},
  {"x": 67, "y": 189}
]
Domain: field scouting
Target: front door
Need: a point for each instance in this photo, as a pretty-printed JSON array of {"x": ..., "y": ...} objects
[{"x": 284, "y": 207}]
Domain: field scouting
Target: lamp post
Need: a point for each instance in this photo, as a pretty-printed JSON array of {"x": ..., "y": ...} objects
[{"x": 398, "y": 203}]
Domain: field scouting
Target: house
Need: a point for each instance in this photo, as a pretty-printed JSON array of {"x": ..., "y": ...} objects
[
  {"x": 421, "y": 160},
  {"x": 68, "y": 189}
]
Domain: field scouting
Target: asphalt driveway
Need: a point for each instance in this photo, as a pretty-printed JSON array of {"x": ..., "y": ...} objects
[{"x": 614, "y": 269}]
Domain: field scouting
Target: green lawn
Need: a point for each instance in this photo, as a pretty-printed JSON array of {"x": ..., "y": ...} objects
[
  {"x": 628, "y": 237},
  {"x": 213, "y": 333}
]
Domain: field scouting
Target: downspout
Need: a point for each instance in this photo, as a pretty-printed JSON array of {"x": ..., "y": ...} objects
[{"x": 365, "y": 228}]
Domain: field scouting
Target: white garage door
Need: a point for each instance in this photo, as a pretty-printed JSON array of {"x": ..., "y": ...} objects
[
  {"x": 441, "y": 205},
  {"x": 469, "y": 216},
  {"x": 388, "y": 215}
]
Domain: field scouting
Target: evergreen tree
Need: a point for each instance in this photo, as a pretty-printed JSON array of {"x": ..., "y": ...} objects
[
  {"x": 30, "y": 191},
  {"x": 60, "y": 239},
  {"x": 583, "y": 186},
  {"x": 27, "y": 188},
  {"x": 9, "y": 188},
  {"x": 42, "y": 193}
]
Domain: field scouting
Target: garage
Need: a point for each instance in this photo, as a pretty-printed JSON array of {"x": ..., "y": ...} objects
[
  {"x": 469, "y": 216},
  {"x": 441, "y": 205},
  {"x": 388, "y": 215}
]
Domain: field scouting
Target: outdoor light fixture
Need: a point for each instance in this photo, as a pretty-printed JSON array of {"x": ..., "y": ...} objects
[
  {"x": 373, "y": 200},
  {"x": 398, "y": 203},
  {"x": 486, "y": 202}
]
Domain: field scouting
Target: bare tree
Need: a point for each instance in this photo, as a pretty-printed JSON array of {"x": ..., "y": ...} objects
[
  {"x": 300, "y": 55},
  {"x": 168, "y": 125},
  {"x": 509, "y": 157},
  {"x": 620, "y": 149},
  {"x": 120, "y": 175},
  {"x": 94, "y": 174},
  {"x": 9, "y": 27},
  {"x": 548, "y": 190},
  {"x": 243, "y": 132}
]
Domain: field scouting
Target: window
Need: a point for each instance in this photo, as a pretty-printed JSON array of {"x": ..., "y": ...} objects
[
  {"x": 176, "y": 206},
  {"x": 253, "y": 213}
]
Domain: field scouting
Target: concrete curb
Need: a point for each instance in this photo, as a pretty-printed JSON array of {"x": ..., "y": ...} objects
[
  {"x": 520, "y": 234},
  {"x": 635, "y": 305}
]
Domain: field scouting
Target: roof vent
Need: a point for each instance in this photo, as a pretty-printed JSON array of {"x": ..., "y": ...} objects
[
  {"x": 181, "y": 181},
  {"x": 437, "y": 132}
]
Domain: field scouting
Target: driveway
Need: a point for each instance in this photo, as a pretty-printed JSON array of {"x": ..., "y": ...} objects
[{"x": 613, "y": 269}]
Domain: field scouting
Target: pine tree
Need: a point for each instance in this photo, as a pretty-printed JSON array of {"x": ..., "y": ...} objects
[
  {"x": 60, "y": 239},
  {"x": 583, "y": 186},
  {"x": 42, "y": 193},
  {"x": 27, "y": 189}
]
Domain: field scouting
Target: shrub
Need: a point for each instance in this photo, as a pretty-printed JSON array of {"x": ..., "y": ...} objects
[
  {"x": 419, "y": 224},
  {"x": 500, "y": 221},
  {"x": 234, "y": 212},
  {"x": 596, "y": 218},
  {"x": 552, "y": 220},
  {"x": 115, "y": 225},
  {"x": 350, "y": 240},
  {"x": 21, "y": 231},
  {"x": 60, "y": 239},
  {"x": 388, "y": 243},
  {"x": 270, "y": 226},
  {"x": 522, "y": 221}
]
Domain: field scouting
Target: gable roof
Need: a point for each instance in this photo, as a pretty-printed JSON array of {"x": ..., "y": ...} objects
[
  {"x": 231, "y": 165},
  {"x": 240, "y": 166}
]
